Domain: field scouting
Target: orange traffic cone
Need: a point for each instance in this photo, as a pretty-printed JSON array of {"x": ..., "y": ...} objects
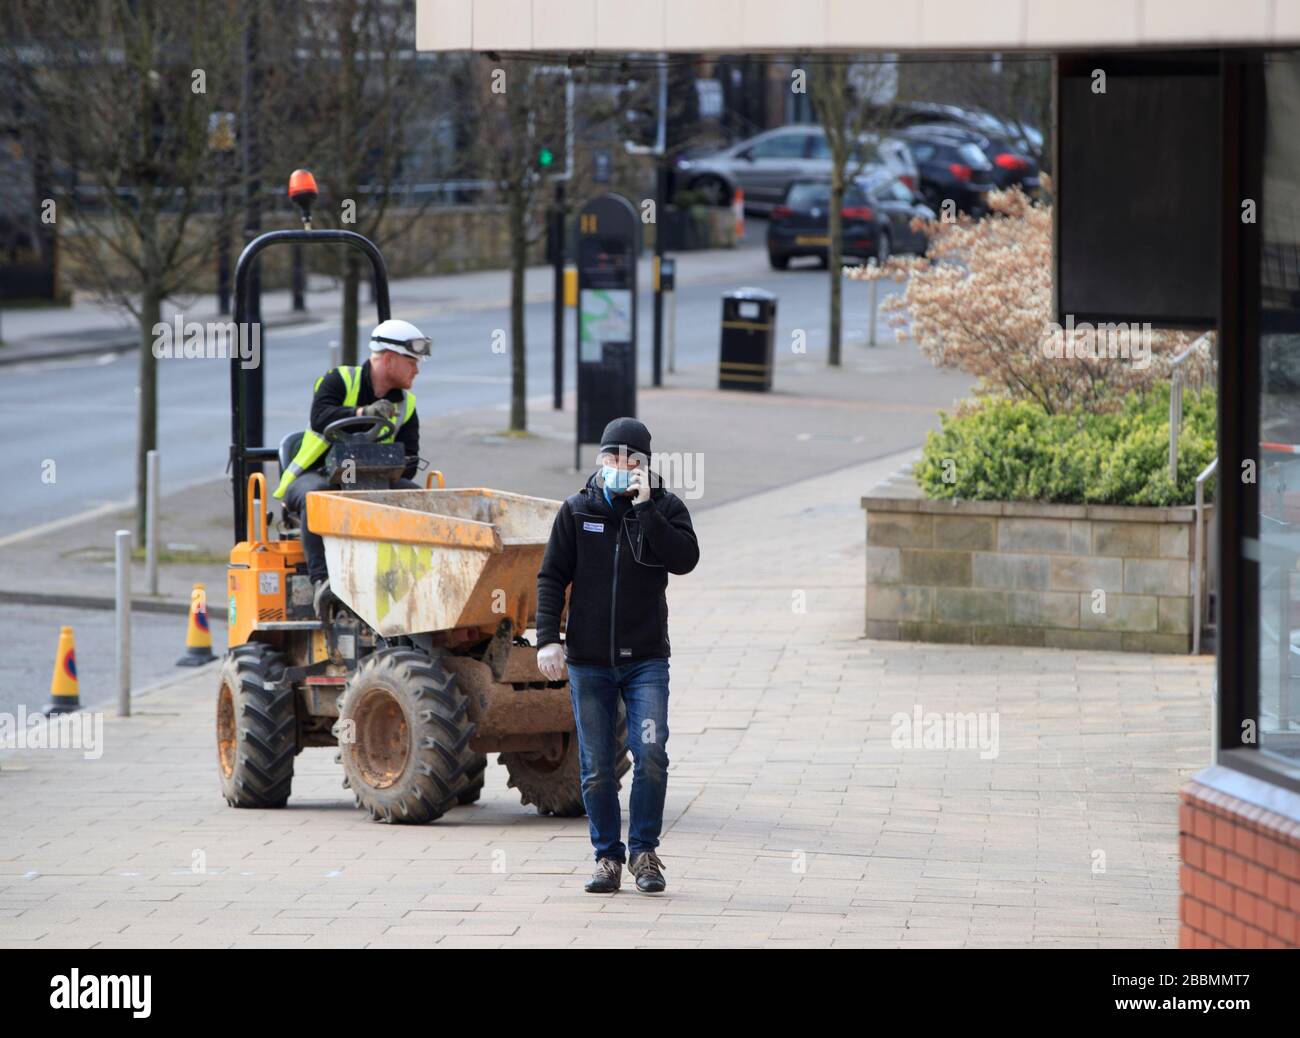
[
  {"x": 198, "y": 638},
  {"x": 65, "y": 694}
]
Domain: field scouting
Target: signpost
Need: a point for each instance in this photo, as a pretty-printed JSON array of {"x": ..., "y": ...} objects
[{"x": 608, "y": 243}]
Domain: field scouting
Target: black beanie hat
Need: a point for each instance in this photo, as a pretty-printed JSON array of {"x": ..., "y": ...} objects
[{"x": 626, "y": 432}]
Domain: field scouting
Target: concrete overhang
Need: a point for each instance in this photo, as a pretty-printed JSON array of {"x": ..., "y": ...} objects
[{"x": 744, "y": 26}]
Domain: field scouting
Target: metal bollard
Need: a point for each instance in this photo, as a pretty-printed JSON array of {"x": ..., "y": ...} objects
[
  {"x": 123, "y": 616},
  {"x": 151, "y": 523},
  {"x": 671, "y": 328},
  {"x": 871, "y": 306}
]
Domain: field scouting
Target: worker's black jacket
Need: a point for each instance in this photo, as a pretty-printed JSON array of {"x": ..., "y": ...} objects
[
  {"x": 617, "y": 559},
  {"x": 327, "y": 406}
]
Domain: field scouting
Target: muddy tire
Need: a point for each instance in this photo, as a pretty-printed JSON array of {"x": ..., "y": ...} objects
[
  {"x": 408, "y": 761},
  {"x": 475, "y": 788},
  {"x": 257, "y": 728},
  {"x": 555, "y": 787}
]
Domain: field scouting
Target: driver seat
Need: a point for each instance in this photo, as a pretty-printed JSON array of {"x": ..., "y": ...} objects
[{"x": 289, "y": 519}]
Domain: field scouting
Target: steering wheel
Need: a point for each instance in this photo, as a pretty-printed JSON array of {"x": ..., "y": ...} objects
[{"x": 375, "y": 427}]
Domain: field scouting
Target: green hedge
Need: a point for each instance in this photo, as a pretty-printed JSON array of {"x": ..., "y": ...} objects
[{"x": 1015, "y": 451}]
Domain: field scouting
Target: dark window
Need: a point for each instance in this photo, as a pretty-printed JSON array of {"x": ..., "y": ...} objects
[
  {"x": 805, "y": 196},
  {"x": 973, "y": 157}
]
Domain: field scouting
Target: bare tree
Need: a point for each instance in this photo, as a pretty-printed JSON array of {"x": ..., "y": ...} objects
[
  {"x": 122, "y": 93},
  {"x": 353, "y": 101},
  {"x": 1016, "y": 88},
  {"x": 519, "y": 108},
  {"x": 844, "y": 96}
]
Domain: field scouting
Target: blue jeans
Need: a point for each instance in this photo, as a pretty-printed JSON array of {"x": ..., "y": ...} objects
[{"x": 595, "y": 691}]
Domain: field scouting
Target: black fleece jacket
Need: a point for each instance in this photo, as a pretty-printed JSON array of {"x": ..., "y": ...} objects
[
  {"x": 617, "y": 560},
  {"x": 327, "y": 406}
]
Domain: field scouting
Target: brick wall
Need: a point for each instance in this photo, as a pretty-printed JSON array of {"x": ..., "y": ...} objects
[
  {"x": 1240, "y": 874},
  {"x": 1018, "y": 573}
]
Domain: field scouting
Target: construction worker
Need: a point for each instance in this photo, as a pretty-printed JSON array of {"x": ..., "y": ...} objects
[
  {"x": 378, "y": 387},
  {"x": 615, "y": 542}
]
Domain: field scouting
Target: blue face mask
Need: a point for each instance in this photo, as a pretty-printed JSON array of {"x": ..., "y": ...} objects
[{"x": 616, "y": 480}]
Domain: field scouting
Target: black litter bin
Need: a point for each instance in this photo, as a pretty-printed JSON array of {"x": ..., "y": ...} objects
[{"x": 748, "y": 337}]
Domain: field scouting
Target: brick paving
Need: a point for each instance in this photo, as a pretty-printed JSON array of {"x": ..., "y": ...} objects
[{"x": 792, "y": 818}]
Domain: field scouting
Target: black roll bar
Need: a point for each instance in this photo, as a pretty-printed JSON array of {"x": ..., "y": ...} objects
[{"x": 244, "y": 459}]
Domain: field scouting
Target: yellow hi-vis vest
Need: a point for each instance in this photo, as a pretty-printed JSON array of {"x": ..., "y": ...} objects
[{"x": 314, "y": 445}]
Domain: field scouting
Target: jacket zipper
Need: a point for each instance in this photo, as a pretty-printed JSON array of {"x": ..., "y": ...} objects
[{"x": 613, "y": 600}]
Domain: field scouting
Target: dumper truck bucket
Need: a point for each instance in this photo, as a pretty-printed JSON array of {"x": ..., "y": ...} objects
[{"x": 416, "y": 561}]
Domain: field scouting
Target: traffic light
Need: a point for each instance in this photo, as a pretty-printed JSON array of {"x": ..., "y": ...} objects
[{"x": 545, "y": 158}]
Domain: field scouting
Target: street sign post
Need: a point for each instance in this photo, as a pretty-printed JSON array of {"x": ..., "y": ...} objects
[{"x": 608, "y": 243}]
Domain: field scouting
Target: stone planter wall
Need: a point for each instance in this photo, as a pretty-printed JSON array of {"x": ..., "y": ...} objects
[{"x": 1016, "y": 573}]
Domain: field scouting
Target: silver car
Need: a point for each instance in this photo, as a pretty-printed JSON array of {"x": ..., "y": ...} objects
[{"x": 765, "y": 166}]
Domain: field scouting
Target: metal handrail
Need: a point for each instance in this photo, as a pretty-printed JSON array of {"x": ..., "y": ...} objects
[
  {"x": 1198, "y": 586},
  {"x": 1176, "y": 402}
]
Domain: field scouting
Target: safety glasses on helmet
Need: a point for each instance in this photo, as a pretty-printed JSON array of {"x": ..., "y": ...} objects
[{"x": 417, "y": 348}]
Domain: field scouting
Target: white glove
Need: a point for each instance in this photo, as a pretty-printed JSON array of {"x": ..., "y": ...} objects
[
  {"x": 550, "y": 661},
  {"x": 639, "y": 482}
]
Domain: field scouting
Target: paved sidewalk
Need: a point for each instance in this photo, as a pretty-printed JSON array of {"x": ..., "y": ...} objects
[{"x": 791, "y": 819}]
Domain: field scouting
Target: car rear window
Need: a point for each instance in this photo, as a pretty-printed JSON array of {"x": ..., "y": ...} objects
[
  {"x": 805, "y": 196},
  {"x": 808, "y": 194},
  {"x": 973, "y": 157}
]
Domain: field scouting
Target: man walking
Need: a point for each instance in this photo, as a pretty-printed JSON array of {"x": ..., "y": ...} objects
[{"x": 615, "y": 542}]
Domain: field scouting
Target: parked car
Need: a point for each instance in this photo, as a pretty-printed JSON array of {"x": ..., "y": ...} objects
[
  {"x": 951, "y": 167},
  {"x": 900, "y": 205},
  {"x": 1022, "y": 135},
  {"x": 766, "y": 165},
  {"x": 1011, "y": 165},
  {"x": 876, "y": 215}
]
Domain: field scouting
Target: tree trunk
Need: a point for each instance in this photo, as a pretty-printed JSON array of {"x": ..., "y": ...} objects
[
  {"x": 835, "y": 253},
  {"x": 518, "y": 350},
  {"x": 351, "y": 290},
  {"x": 147, "y": 406}
]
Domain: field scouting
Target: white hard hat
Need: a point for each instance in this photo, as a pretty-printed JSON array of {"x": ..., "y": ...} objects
[{"x": 400, "y": 337}]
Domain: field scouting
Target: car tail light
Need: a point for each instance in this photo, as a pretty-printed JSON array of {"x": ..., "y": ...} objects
[
  {"x": 857, "y": 212},
  {"x": 909, "y": 181},
  {"x": 780, "y": 212},
  {"x": 1008, "y": 161},
  {"x": 959, "y": 170}
]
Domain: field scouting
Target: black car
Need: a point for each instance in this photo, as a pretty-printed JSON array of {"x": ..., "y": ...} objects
[
  {"x": 897, "y": 205},
  {"x": 876, "y": 216},
  {"x": 1011, "y": 165},
  {"x": 950, "y": 167},
  {"x": 1026, "y": 139}
]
